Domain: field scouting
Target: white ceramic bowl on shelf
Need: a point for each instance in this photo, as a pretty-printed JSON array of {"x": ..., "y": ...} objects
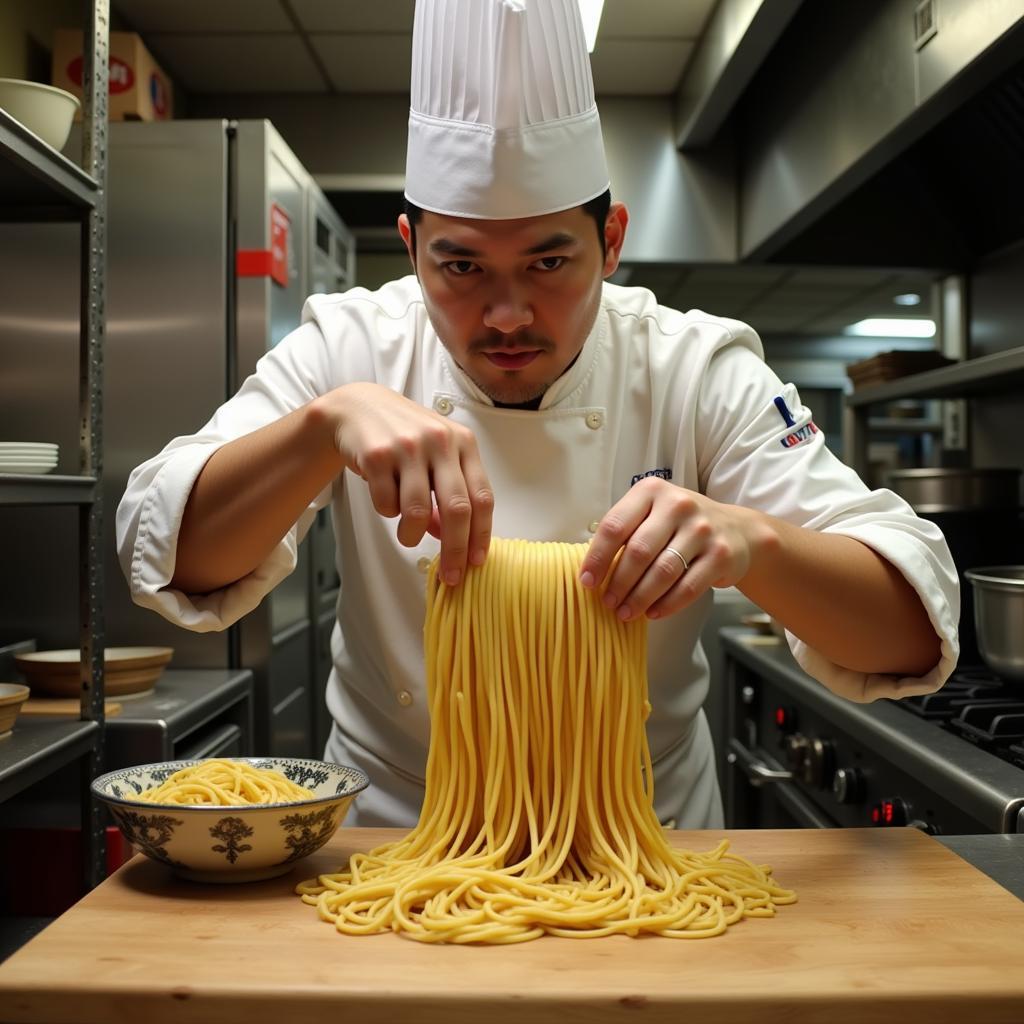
[
  {"x": 43, "y": 109},
  {"x": 235, "y": 843}
]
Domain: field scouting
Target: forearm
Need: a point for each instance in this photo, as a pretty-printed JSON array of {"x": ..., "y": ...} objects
[
  {"x": 841, "y": 598},
  {"x": 249, "y": 494}
]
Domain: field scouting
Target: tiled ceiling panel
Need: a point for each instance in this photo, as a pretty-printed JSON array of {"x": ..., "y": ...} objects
[
  {"x": 354, "y": 15},
  {"x": 263, "y": 63},
  {"x": 199, "y": 16},
  {"x": 365, "y": 63}
]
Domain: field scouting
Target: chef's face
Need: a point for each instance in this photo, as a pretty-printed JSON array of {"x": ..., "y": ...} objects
[{"x": 514, "y": 300}]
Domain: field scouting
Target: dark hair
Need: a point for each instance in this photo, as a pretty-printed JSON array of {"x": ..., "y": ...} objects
[{"x": 597, "y": 208}]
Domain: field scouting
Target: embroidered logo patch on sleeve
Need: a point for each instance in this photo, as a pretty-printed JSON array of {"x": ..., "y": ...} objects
[{"x": 798, "y": 436}]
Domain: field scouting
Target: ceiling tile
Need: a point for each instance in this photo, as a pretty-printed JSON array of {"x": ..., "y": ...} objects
[
  {"x": 354, "y": 15},
  {"x": 655, "y": 19},
  {"x": 731, "y": 276},
  {"x": 366, "y": 63},
  {"x": 238, "y": 64},
  {"x": 848, "y": 277},
  {"x": 202, "y": 16},
  {"x": 634, "y": 67}
]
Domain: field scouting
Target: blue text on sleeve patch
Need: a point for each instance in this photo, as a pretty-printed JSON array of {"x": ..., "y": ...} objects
[{"x": 665, "y": 473}]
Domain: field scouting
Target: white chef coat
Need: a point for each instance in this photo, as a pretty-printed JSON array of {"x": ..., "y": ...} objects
[{"x": 685, "y": 396}]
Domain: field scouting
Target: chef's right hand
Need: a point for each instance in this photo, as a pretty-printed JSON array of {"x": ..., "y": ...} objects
[{"x": 418, "y": 465}]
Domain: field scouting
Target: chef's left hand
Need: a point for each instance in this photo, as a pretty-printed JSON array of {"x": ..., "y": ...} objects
[{"x": 715, "y": 545}]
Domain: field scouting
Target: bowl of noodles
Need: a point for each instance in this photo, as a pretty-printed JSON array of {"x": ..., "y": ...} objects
[{"x": 237, "y": 819}]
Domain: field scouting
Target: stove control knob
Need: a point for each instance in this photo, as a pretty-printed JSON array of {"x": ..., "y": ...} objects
[
  {"x": 819, "y": 763},
  {"x": 847, "y": 785},
  {"x": 796, "y": 746},
  {"x": 925, "y": 826}
]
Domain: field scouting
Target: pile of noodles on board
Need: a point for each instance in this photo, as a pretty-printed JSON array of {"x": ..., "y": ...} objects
[{"x": 537, "y": 819}]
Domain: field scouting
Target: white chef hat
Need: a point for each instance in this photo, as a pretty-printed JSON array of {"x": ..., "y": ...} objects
[{"x": 502, "y": 122}]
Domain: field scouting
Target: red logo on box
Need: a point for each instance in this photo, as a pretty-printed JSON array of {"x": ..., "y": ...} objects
[{"x": 122, "y": 78}]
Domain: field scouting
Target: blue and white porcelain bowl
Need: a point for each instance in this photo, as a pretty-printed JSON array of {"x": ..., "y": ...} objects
[{"x": 234, "y": 843}]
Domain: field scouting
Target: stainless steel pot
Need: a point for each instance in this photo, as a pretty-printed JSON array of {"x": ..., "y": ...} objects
[
  {"x": 999, "y": 617},
  {"x": 951, "y": 490}
]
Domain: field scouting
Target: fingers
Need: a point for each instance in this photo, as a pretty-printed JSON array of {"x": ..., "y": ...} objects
[
  {"x": 455, "y": 511},
  {"x": 460, "y": 512},
  {"x": 482, "y": 498},
  {"x": 415, "y": 503},
  {"x": 701, "y": 575},
  {"x": 648, "y": 577},
  {"x": 613, "y": 532}
]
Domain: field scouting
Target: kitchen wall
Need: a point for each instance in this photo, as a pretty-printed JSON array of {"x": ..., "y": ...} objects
[
  {"x": 997, "y": 324},
  {"x": 26, "y": 34},
  {"x": 352, "y": 142}
]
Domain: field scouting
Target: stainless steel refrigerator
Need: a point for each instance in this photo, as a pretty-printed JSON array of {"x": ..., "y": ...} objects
[{"x": 216, "y": 236}]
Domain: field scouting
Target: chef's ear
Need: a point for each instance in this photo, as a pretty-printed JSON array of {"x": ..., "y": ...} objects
[
  {"x": 408, "y": 233},
  {"x": 614, "y": 235}
]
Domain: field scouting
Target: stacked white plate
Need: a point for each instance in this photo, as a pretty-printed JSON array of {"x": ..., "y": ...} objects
[{"x": 27, "y": 457}]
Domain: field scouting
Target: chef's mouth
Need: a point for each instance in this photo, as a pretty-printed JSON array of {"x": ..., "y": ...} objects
[{"x": 511, "y": 358}]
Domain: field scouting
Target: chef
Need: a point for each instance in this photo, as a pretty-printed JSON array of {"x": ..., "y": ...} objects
[{"x": 504, "y": 388}]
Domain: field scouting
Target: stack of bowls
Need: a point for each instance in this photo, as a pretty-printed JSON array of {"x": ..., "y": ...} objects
[{"x": 127, "y": 671}]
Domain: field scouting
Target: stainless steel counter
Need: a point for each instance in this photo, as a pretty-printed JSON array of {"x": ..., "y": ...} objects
[{"x": 1001, "y": 857}]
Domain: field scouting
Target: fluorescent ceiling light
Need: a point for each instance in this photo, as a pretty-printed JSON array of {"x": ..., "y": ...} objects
[
  {"x": 894, "y": 328},
  {"x": 591, "y": 12},
  {"x": 907, "y": 299}
]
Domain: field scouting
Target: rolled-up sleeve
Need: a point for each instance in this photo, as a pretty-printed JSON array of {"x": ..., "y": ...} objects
[
  {"x": 761, "y": 449},
  {"x": 150, "y": 512}
]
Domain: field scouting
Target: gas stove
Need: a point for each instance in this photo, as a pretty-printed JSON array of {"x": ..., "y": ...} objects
[
  {"x": 980, "y": 707},
  {"x": 949, "y": 763}
]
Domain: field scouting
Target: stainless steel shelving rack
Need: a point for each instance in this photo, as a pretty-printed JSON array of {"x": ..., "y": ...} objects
[
  {"x": 39, "y": 184},
  {"x": 999, "y": 373}
]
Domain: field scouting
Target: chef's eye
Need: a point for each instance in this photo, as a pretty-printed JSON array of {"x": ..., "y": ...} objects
[
  {"x": 549, "y": 262},
  {"x": 460, "y": 268}
]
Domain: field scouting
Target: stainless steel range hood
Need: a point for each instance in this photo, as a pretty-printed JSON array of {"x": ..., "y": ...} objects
[{"x": 881, "y": 132}]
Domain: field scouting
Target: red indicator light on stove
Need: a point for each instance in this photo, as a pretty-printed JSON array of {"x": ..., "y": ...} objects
[
  {"x": 887, "y": 811},
  {"x": 876, "y": 815},
  {"x": 785, "y": 719}
]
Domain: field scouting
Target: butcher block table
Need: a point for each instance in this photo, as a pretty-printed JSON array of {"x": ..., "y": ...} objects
[{"x": 890, "y": 926}]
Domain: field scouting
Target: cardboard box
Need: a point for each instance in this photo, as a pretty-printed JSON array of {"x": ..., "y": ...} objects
[{"x": 139, "y": 89}]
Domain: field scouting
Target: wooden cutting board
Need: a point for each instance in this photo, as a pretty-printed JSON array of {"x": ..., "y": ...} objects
[
  {"x": 64, "y": 707},
  {"x": 891, "y": 927}
]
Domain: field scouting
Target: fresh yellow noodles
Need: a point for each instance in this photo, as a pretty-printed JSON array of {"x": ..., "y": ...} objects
[
  {"x": 538, "y": 815},
  {"x": 222, "y": 782}
]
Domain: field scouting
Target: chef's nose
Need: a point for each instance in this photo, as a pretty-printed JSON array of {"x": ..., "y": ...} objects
[{"x": 508, "y": 311}]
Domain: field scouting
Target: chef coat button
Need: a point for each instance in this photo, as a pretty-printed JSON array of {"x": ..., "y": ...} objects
[
  {"x": 595, "y": 420},
  {"x": 444, "y": 406},
  {"x": 405, "y": 698},
  {"x": 423, "y": 564},
  {"x": 593, "y": 525}
]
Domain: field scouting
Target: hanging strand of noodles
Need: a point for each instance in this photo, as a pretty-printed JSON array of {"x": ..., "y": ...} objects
[{"x": 538, "y": 816}]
